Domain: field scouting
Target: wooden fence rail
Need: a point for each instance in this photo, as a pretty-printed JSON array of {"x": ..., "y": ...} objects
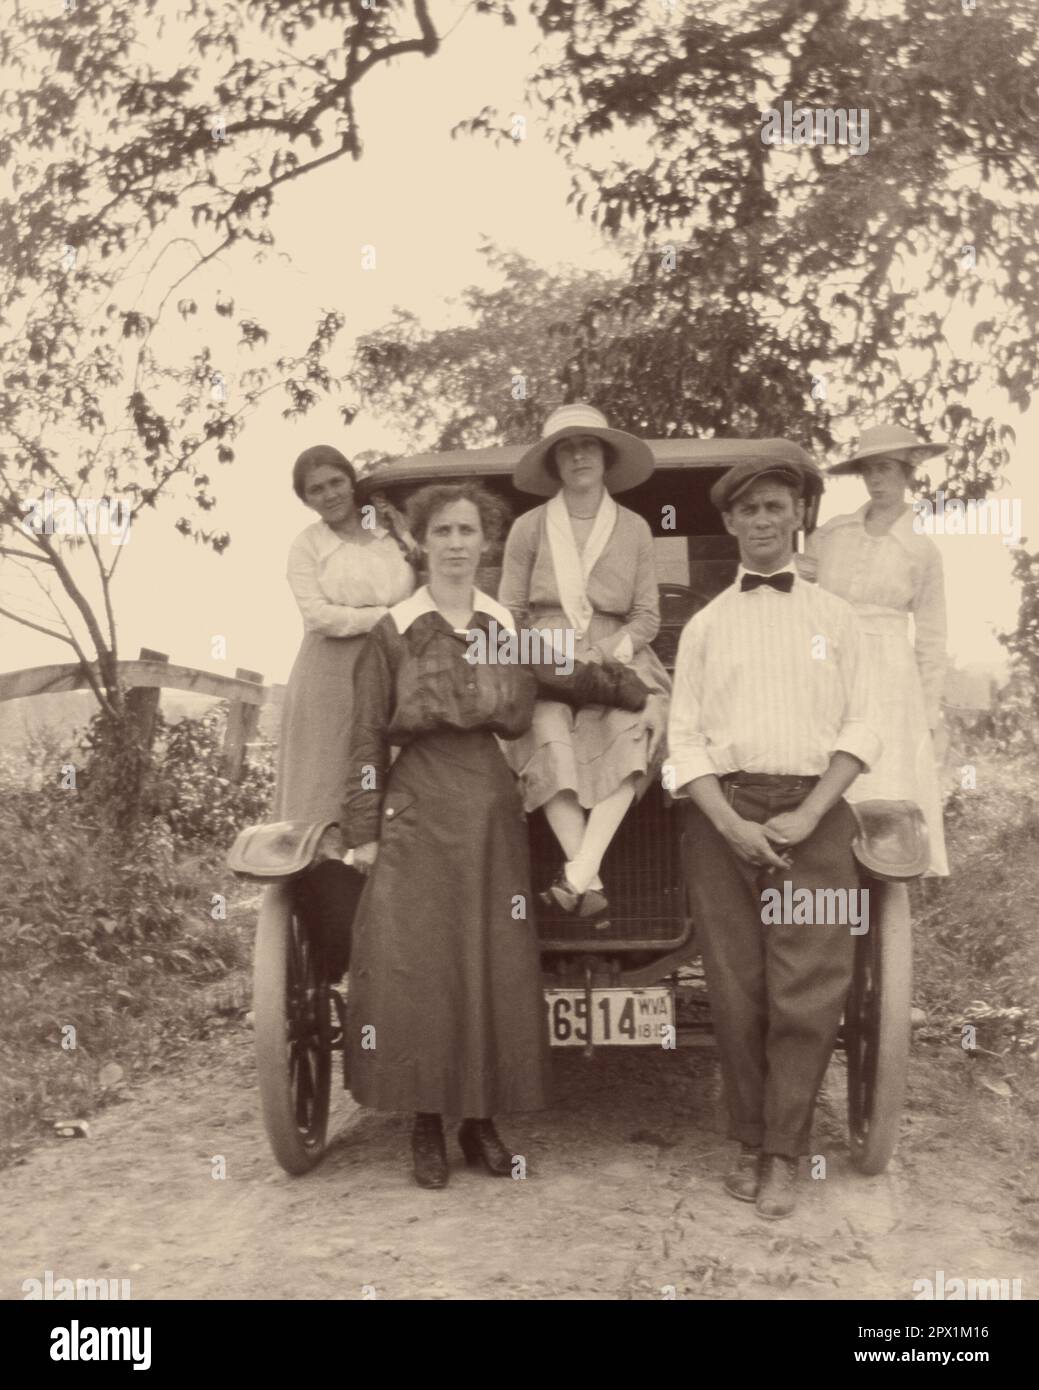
[{"x": 145, "y": 679}]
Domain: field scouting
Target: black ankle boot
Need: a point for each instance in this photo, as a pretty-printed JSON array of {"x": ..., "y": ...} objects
[
  {"x": 481, "y": 1144},
  {"x": 430, "y": 1155}
]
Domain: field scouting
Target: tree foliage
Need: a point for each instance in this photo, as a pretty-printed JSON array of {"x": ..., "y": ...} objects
[
  {"x": 488, "y": 379},
  {"x": 1023, "y": 642},
  {"x": 760, "y": 271},
  {"x": 144, "y": 155}
]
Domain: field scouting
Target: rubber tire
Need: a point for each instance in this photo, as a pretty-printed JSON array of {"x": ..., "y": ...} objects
[
  {"x": 878, "y": 1040},
  {"x": 297, "y": 1149}
]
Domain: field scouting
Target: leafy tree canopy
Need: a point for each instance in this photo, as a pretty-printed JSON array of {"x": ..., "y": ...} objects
[
  {"x": 760, "y": 270},
  {"x": 143, "y": 153}
]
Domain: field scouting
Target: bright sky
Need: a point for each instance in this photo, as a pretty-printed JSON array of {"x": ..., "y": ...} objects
[{"x": 423, "y": 201}]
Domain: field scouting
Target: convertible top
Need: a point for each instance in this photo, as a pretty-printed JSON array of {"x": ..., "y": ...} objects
[{"x": 686, "y": 470}]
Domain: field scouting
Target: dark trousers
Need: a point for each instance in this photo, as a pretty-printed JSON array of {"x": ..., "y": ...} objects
[{"x": 777, "y": 991}]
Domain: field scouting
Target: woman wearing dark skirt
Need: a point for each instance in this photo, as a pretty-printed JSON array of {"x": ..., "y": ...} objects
[{"x": 445, "y": 1010}]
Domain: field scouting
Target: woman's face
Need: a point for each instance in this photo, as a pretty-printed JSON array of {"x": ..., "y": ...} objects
[
  {"x": 329, "y": 492},
  {"x": 581, "y": 461},
  {"x": 454, "y": 541},
  {"x": 885, "y": 480}
]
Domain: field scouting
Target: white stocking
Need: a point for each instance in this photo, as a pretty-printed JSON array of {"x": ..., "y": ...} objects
[
  {"x": 567, "y": 818},
  {"x": 603, "y": 822}
]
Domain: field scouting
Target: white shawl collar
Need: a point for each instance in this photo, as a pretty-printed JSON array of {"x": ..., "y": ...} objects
[{"x": 572, "y": 566}]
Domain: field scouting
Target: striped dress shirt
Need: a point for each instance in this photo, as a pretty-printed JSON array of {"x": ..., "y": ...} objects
[{"x": 768, "y": 682}]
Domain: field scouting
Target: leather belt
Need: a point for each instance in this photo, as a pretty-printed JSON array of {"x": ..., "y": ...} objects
[{"x": 767, "y": 780}]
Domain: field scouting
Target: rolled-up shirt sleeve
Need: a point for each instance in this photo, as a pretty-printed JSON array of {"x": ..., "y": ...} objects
[
  {"x": 859, "y": 733},
  {"x": 689, "y": 751},
  {"x": 319, "y": 614}
]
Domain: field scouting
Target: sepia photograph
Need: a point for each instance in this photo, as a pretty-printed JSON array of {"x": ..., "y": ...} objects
[{"x": 519, "y": 666}]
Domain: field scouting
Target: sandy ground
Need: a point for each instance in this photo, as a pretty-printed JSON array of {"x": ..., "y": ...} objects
[{"x": 622, "y": 1199}]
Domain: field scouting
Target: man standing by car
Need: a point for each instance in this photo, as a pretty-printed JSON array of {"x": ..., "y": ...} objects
[{"x": 768, "y": 728}]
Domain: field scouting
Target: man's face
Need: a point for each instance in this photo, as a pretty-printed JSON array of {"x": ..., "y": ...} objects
[{"x": 763, "y": 519}]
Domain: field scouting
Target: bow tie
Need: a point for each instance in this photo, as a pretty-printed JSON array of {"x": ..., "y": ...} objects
[{"x": 783, "y": 582}]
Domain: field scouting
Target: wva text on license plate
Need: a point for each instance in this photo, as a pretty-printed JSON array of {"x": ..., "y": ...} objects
[{"x": 619, "y": 1016}]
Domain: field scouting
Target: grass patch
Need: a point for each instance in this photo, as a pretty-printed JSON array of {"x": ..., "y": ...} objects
[
  {"x": 976, "y": 966},
  {"x": 115, "y": 954}
]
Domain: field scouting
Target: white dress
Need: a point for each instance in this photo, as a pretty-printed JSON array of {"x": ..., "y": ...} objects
[
  {"x": 887, "y": 579},
  {"x": 342, "y": 590}
]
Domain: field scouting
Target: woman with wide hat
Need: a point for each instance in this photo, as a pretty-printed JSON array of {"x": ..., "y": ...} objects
[
  {"x": 585, "y": 563},
  {"x": 876, "y": 560}
]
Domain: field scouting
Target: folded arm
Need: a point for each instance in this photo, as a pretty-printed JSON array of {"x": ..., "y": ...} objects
[{"x": 319, "y": 614}]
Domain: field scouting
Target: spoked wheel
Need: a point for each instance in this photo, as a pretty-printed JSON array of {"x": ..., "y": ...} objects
[
  {"x": 877, "y": 1027},
  {"x": 293, "y": 1027}
]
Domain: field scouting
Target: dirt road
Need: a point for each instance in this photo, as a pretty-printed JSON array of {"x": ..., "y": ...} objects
[{"x": 622, "y": 1199}]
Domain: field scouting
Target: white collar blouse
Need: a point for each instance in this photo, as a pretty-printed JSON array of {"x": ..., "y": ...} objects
[
  {"x": 343, "y": 588},
  {"x": 897, "y": 572}
]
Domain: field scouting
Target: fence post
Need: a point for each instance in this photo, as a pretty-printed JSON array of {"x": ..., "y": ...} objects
[
  {"x": 242, "y": 721},
  {"x": 142, "y": 702}
]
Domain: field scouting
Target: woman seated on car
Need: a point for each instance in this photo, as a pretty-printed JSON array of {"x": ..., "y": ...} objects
[{"x": 583, "y": 562}]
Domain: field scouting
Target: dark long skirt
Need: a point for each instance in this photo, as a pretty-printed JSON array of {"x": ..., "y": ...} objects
[{"x": 446, "y": 1011}]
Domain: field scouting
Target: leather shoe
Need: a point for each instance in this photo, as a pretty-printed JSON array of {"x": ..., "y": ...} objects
[
  {"x": 744, "y": 1178},
  {"x": 481, "y": 1144},
  {"x": 562, "y": 894},
  {"x": 428, "y": 1151},
  {"x": 777, "y": 1196},
  {"x": 594, "y": 903}
]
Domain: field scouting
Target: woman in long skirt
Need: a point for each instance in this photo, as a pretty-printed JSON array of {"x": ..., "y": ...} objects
[
  {"x": 345, "y": 576},
  {"x": 445, "y": 1010},
  {"x": 888, "y": 573},
  {"x": 582, "y": 562}
]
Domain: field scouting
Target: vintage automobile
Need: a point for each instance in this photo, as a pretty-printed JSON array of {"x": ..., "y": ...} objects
[{"x": 634, "y": 981}]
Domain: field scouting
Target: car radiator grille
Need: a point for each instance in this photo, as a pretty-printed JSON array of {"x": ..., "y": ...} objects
[{"x": 641, "y": 872}]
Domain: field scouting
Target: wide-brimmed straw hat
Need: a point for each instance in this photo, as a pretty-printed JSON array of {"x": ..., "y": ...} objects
[
  {"x": 888, "y": 441},
  {"x": 632, "y": 464}
]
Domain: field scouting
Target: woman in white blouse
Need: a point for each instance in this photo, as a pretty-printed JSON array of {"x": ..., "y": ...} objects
[
  {"x": 888, "y": 572},
  {"x": 345, "y": 574}
]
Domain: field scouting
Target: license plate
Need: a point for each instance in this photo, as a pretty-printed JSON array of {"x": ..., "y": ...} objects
[{"x": 619, "y": 1016}]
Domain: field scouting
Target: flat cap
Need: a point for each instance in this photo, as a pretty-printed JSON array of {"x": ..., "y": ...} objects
[{"x": 786, "y": 462}]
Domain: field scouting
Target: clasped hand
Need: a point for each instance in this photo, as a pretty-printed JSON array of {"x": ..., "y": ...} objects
[{"x": 753, "y": 841}]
